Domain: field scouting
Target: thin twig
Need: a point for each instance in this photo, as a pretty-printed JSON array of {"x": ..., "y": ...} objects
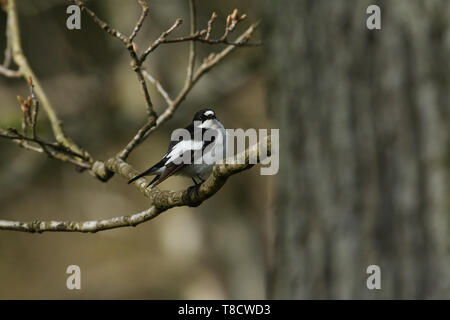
[
  {"x": 149, "y": 127},
  {"x": 127, "y": 41},
  {"x": 102, "y": 24},
  {"x": 210, "y": 62},
  {"x": 210, "y": 23},
  {"x": 34, "y": 109},
  {"x": 203, "y": 36},
  {"x": 144, "y": 14},
  {"x": 13, "y": 134},
  {"x": 19, "y": 141},
  {"x": 191, "y": 63},
  {"x": 8, "y": 49},
  {"x": 158, "y": 86},
  {"x": 26, "y": 72},
  {"x": 66, "y": 150},
  {"x": 30, "y": 109},
  {"x": 150, "y": 111},
  {"x": 160, "y": 40},
  {"x": 9, "y": 73},
  {"x": 53, "y": 150},
  {"x": 198, "y": 38}
]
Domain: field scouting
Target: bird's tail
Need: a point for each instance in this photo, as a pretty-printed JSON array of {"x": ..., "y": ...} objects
[{"x": 145, "y": 173}]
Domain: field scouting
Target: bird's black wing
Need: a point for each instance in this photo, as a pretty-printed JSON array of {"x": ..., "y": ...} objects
[
  {"x": 162, "y": 162},
  {"x": 171, "y": 169},
  {"x": 149, "y": 171}
]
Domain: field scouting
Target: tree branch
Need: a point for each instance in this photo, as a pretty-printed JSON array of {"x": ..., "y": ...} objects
[
  {"x": 66, "y": 150},
  {"x": 9, "y": 73},
  {"x": 26, "y": 72},
  {"x": 53, "y": 150},
  {"x": 191, "y": 64},
  {"x": 144, "y": 14},
  {"x": 158, "y": 87},
  {"x": 129, "y": 45},
  {"x": 161, "y": 201},
  {"x": 8, "y": 49},
  {"x": 86, "y": 226},
  {"x": 192, "y": 77},
  {"x": 161, "y": 39},
  {"x": 30, "y": 109},
  {"x": 207, "y": 64}
]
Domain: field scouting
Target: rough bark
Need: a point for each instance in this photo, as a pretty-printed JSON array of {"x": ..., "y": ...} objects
[{"x": 364, "y": 118}]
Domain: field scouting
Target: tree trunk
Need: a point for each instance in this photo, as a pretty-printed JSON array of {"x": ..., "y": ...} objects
[{"x": 364, "y": 118}]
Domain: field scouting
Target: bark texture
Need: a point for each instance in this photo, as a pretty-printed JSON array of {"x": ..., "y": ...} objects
[{"x": 364, "y": 118}]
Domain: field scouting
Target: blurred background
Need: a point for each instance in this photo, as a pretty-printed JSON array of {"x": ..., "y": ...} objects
[{"x": 365, "y": 155}]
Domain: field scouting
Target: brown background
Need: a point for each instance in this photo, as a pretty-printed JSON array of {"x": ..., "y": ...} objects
[{"x": 365, "y": 156}]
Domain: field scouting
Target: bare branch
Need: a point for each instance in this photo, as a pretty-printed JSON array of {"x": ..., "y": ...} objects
[
  {"x": 30, "y": 109},
  {"x": 102, "y": 24},
  {"x": 214, "y": 59},
  {"x": 21, "y": 142},
  {"x": 149, "y": 127},
  {"x": 52, "y": 149},
  {"x": 210, "y": 23},
  {"x": 198, "y": 38},
  {"x": 150, "y": 111},
  {"x": 86, "y": 226},
  {"x": 140, "y": 136},
  {"x": 153, "y": 121},
  {"x": 160, "y": 200},
  {"x": 9, "y": 73},
  {"x": 8, "y": 50},
  {"x": 65, "y": 150},
  {"x": 158, "y": 86},
  {"x": 191, "y": 64},
  {"x": 210, "y": 62},
  {"x": 144, "y": 14},
  {"x": 160, "y": 40},
  {"x": 26, "y": 72},
  {"x": 203, "y": 36},
  {"x": 129, "y": 45}
]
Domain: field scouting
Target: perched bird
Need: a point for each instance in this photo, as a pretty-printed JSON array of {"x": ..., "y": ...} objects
[{"x": 195, "y": 154}]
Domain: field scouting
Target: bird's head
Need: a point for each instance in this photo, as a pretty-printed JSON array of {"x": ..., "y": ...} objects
[{"x": 204, "y": 114}]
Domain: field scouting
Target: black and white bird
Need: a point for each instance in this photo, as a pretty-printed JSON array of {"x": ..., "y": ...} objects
[{"x": 194, "y": 154}]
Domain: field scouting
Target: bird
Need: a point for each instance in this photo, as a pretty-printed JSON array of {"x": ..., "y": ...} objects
[{"x": 201, "y": 151}]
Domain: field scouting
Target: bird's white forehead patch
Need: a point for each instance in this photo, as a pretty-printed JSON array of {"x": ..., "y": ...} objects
[{"x": 209, "y": 113}]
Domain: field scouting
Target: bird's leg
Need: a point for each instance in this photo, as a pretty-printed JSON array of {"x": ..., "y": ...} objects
[
  {"x": 195, "y": 182},
  {"x": 193, "y": 188}
]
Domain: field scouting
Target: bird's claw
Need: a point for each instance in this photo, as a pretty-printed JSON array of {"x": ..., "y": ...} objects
[{"x": 193, "y": 189}]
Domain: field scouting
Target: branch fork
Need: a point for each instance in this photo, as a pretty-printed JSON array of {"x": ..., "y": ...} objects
[{"x": 64, "y": 149}]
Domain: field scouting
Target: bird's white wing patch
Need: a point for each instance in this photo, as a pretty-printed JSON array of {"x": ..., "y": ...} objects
[{"x": 181, "y": 147}]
